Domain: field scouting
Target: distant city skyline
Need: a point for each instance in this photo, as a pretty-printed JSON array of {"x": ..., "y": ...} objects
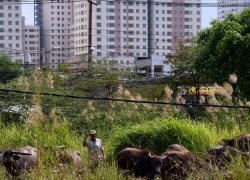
[{"x": 208, "y": 13}]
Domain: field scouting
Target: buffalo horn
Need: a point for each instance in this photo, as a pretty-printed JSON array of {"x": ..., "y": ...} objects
[{"x": 20, "y": 153}]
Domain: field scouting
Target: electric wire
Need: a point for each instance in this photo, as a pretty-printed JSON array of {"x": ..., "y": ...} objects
[{"x": 123, "y": 100}]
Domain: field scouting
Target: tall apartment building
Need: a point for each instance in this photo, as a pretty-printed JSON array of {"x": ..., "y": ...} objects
[
  {"x": 226, "y": 6},
  {"x": 55, "y": 19},
  {"x": 11, "y": 29},
  {"x": 80, "y": 29},
  {"x": 143, "y": 28},
  {"x": 119, "y": 28},
  {"x": 31, "y": 44}
]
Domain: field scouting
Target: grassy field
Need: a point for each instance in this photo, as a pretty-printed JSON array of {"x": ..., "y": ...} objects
[{"x": 122, "y": 124}]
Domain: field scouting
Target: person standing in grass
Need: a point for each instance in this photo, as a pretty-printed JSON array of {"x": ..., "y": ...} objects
[{"x": 95, "y": 149}]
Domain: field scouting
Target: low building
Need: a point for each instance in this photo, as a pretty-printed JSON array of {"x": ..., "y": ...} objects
[{"x": 153, "y": 66}]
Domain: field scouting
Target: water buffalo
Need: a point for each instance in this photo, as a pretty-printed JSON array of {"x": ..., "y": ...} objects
[
  {"x": 19, "y": 161},
  {"x": 69, "y": 157},
  {"x": 175, "y": 147},
  {"x": 142, "y": 162},
  {"x": 220, "y": 155},
  {"x": 178, "y": 162},
  {"x": 241, "y": 142}
]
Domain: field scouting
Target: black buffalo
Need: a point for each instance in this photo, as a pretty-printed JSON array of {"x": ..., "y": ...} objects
[
  {"x": 221, "y": 155},
  {"x": 142, "y": 162},
  {"x": 178, "y": 162},
  {"x": 19, "y": 161},
  {"x": 241, "y": 142}
]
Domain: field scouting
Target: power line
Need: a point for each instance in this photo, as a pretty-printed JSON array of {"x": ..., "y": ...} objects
[{"x": 123, "y": 100}]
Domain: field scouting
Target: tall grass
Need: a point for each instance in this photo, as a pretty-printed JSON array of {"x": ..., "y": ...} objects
[
  {"x": 157, "y": 135},
  {"x": 119, "y": 125}
]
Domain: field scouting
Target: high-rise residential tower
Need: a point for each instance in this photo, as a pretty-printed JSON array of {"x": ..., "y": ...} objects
[
  {"x": 55, "y": 19},
  {"x": 235, "y": 6},
  {"x": 119, "y": 28},
  {"x": 80, "y": 29},
  {"x": 11, "y": 29},
  {"x": 31, "y": 44},
  {"x": 143, "y": 28}
]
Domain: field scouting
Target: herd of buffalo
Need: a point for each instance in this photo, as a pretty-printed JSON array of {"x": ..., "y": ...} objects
[{"x": 176, "y": 162}]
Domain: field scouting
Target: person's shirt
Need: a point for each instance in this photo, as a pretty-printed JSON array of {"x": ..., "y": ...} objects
[{"x": 94, "y": 149}]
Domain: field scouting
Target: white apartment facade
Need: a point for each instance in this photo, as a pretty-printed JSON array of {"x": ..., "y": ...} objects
[
  {"x": 143, "y": 28},
  {"x": 80, "y": 29},
  {"x": 11, "y": 29},
  {"x": 55, "y": 19},
  {"x": 180, "y": 18},
  {"x": 31, "y": 44},
  {"x": 227, "y": 6},
  {"x": 119, "y": 28}
]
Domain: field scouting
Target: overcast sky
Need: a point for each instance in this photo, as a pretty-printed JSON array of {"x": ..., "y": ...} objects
[{"x": 208, "y": 13}]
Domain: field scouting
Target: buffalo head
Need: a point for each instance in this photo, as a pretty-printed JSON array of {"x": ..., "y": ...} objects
[{"x": 155, "y": 162}]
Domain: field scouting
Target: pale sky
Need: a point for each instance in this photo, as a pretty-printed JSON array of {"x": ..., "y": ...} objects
[{"x": 208, "y": 12}]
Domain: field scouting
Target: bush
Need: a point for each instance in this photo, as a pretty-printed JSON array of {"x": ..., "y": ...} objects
[{"x": 157, "y": 135}]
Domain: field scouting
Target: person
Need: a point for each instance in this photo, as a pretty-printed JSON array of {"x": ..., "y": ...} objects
[{"x": 95, "y": 148}]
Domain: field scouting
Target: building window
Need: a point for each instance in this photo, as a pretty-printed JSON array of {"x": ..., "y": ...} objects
[{"x": 98, "y": 32}]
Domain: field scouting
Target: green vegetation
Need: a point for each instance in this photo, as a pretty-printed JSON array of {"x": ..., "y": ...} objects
[
  {"x": 160, "y": 132},
  {"x": 225, "y": 50},
  {"x": 217, "y": 53},
  {"x": 8, "y": 70}
]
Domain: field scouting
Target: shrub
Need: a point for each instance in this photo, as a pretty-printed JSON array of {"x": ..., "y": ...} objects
[{"x": 160, "y": 133}]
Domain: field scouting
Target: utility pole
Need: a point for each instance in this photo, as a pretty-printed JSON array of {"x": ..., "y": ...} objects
[
  {"x": 42, "y": 57},
  {"x": 90, "y": 48}
]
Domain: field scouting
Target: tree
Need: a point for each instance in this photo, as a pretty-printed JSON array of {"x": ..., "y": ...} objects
[
  {"x": 182, "y": 64},
  {"x": 100, "y": 79},
  {"x": 8, "y": 69},
  {"x": 225, "y": 51},
  {"x": 64, "y": 69}
]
